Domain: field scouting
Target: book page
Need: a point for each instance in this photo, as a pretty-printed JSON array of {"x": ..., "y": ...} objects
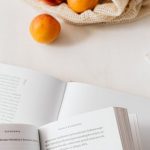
[
  {"x": 135, "y": 131},
  {"x": 18, "y": 137},
  {"x": 80, "y": 98},
  {"x": 29, "y": 97},
  {"x": 91, "y": 131}
]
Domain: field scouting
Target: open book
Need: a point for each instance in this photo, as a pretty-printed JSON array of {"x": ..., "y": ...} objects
[
  {"x": 31, "y": 97},
  {"x": 102, "y": 129}
]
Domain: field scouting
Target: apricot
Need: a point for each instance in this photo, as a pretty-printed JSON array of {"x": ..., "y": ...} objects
[
  {"x": 80, "y": 6},
  {"x": 53, "y": 2},
  {"x": 44, "y": 28}
]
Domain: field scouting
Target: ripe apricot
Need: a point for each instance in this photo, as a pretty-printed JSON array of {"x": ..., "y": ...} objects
[
  {"x": 53, "y": 2},
  {"x": 44, "y": 28},
  {"x": 80, "y": 6}
]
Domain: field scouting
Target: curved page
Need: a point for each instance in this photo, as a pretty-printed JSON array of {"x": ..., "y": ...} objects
[
  {"x": 18, "y": 137},
  {"x": 96, "y": 130},
  {"x": 29, "y": 97}
]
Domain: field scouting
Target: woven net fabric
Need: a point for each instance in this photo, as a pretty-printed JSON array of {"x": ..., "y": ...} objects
[{"x": 109, "y": 12}]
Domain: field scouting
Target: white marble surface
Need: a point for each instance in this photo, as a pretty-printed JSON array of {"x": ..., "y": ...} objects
[{"x": 109, "y": 56}]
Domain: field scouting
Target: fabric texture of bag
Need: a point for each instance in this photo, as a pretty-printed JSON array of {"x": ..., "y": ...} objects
[{"x": 108, "y": 12}]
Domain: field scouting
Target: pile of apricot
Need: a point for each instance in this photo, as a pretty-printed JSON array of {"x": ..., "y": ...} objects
[
  {"x": 45, "y": 28},
  {"x": 78, "y": 6}
]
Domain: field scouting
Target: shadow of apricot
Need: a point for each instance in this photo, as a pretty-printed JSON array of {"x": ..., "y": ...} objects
[
  {"x": 139, "y": 22},
  {"x": 71, "y": 35}
]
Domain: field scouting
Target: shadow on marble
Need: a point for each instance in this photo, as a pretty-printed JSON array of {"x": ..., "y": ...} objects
[
  {"x": 71, "y": 35},
  {"x": 74, "y": 34},
  {"x": 145, "y": 136}
]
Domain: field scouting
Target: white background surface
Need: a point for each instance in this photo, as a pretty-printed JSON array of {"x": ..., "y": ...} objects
[{"x": 109, "y": 56}]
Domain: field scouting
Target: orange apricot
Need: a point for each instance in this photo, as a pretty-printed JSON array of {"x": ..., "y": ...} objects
[
  {"x": 44, "y": 28},
  {"x": 80, "y": 6}
]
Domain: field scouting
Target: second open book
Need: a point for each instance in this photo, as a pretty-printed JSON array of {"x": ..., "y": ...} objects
[
  {"x": 34, "y": 98},
  {"x": 102, "y": 129}
]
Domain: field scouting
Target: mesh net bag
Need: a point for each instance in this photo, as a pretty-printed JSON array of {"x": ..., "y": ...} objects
[{"x": 108, "y": 12}]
